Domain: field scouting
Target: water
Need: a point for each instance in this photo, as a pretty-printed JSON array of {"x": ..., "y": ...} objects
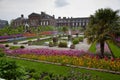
[
  {"x": 69, "y": 43},
  {"x": 69, "y": 32}
]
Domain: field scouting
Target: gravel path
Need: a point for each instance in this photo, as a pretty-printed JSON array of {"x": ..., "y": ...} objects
[{"x": 81, "y": 46}]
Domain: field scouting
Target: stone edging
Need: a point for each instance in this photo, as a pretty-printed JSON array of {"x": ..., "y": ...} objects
[{"x": 68, "y": 65}]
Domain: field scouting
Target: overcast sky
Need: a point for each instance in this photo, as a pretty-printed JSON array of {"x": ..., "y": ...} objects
[{"x": 11, "y": 9}]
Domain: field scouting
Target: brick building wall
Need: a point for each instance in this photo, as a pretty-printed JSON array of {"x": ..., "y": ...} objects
[{"x": 43, "y": 19}]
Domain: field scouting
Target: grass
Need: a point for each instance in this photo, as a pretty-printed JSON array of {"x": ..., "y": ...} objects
[
  {"x": 14, "y": 47},
  {"x": 62, "y": 70},
  {"x": 114, "y": 48},
  {"x": 41, "y": 42},
  {"x": 93, "y": 47}
]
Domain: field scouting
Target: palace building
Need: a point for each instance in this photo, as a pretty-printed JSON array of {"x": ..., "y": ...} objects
[
  {"x": 72, "y": 22},
  {"x": 43, "y": 19},
  {"x": 3, "y": 23}
]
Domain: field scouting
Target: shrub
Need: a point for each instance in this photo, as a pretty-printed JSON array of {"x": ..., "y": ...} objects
[
  {"x": 76, "y": 34},
  {"x": 62, "y": 44},
  {"x": 29, "y": 42},
  {"x": 9, "y": 70},
  {"x": 69, "y": 37},
  {"x": 6, "y": 45},
  {"x": 72, "y": 75},
  {"x": 75, "y": 41},
  {"x": 22, "y": 47},
  {"x": 51, "y": 44},
  {"x": 80, "y": 39},
  {"x": 2, "y": 54},
  {"x": 55, "y": 39}
]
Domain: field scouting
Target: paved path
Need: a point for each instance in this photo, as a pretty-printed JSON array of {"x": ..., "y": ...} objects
[{"x": 81, "y": 46}]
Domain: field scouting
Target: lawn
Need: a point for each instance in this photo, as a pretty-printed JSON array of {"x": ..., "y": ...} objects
[
  {"x": 41, "y": 42},
  {"x": 115, "y": 49},
  {"x": 93, "y": 48},
  {"x": 63, "y": 70}
]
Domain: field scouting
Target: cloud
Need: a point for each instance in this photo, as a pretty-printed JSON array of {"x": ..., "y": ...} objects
[{"x": 61, "y": 3}]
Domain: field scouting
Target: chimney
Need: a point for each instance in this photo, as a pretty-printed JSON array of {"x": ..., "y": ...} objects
[
  {"x": 64, "y": 17},
  {"x": 22, "y": 16},
  {"x": 59, "y": 17},
  {"x": 53, "y": 16}
]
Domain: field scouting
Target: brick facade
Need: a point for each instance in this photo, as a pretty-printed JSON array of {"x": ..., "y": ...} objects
[
  {"x": 72, "y": 22},
  {"x": 43, "y": 19}
]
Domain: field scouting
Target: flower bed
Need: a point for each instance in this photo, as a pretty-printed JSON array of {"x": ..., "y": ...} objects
[
  {"x": 73, "y": 57},
  {"x": 29, "y": 34},
  {"x": 48, "y": 32},
  {"x": 2, "y": 46},
  {"x": 11, "y": 36}
]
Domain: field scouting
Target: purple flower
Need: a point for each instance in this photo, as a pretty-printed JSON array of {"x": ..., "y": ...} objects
[{"x": 48, "y": 52}]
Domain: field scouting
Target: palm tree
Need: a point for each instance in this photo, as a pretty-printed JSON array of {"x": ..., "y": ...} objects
[{"x": 101, "y": 27}]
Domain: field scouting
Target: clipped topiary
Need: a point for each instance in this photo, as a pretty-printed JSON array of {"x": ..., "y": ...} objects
[
  {"x": 55, "y": 39},
  {"x": 81, "y": 39},
  {"x": 6, "y": 45},
  {"x": 22, "y": 47},
  {"x": 29, "y": 42},
  {"x": 62, "y": 44},
  {"x": 51, "y": 44},
  {"x": 75, "y": 41}
]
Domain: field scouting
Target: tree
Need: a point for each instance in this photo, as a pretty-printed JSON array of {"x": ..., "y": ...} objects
[
  {"x": 64, "y": 29},
  {"x": 103, "y": 24}
]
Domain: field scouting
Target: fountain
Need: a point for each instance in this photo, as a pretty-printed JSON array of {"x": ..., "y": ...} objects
[{"x": 69, "y": 38}]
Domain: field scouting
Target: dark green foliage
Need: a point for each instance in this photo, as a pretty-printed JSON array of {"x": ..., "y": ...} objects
[
  {"x": 6, "y": 45},
  {"x": 64, "y": 29},
  {"x": 9, "y": 70},
  {"x": 31, "y": 74},
  {"x": 73, "y": 75},
  {"x": 29, "y": 42},
  {"x": 76, "y": 34},
  {"x": 55, "y": 39},
  {"x": 2, "y": 54},
  {"x": 51, "y": 44},
  {"x": 102, "y": 26},
  {"x": 75, "y": 41},
  {"x": 9, "y": 30},
  {"x": 62, "y": 44},
  {"x": 69, "y": 37},
  {"x": 22, "y": 47},
  {"x": 81, "y": 39}
]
